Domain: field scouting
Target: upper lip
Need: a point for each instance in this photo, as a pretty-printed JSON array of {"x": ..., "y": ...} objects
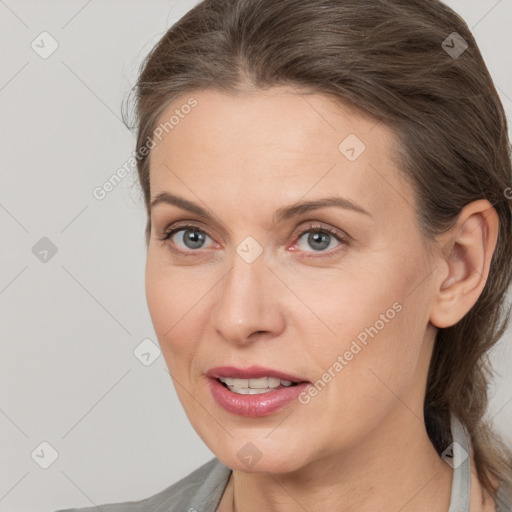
[{"x": 251, "y": 372}]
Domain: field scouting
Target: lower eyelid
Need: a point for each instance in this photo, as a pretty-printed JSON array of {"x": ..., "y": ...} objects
[{"x": 333, "y": 251}]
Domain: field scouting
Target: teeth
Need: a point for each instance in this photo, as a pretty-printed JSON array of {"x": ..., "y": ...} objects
[
  {"x": 254, "y": 386},
  {"x": 248, "y": 391},
  {"x": 239, "y": 383},
  {"x": 264, "y": 382}
]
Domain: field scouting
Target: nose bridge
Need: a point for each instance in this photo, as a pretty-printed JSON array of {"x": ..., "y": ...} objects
[{"x": 246, "y": 303}]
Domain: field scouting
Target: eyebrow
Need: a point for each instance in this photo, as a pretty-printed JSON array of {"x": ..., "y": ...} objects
[{"x": 280, "y": 215}]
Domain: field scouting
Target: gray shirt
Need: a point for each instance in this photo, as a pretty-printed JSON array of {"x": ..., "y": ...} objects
[{"x": 202, "y": 490}]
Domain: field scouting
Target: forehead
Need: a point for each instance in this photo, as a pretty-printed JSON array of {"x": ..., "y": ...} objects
[{"x": 277, "y": 145}]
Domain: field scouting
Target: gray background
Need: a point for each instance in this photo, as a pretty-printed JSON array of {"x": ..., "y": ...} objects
[{"x": 69, "y": 325}]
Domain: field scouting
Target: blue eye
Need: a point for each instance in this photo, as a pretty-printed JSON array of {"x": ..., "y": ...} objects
[
  {"x": 319, "y": 239},
  {"x": 313, "y": 239},
  {"x": 187, "y": 237}
]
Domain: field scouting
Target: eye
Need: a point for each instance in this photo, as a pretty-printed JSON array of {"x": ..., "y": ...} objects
[
  {"x": 187, "y": 238},
  {"x": 319, "y": 239}
]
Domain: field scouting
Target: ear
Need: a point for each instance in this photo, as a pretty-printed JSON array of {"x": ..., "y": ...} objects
[{"x": 466, "y": 257}]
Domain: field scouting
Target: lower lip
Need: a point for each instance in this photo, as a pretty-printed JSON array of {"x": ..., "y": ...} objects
[{"x": 262, "y": 404}]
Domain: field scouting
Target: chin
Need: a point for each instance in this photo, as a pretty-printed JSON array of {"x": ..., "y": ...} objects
[{"x": 260, "y": 456}]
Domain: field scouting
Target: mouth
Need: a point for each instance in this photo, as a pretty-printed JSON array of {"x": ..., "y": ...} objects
[
  {"x": 255, "y": 386},
  {"x": 254, "y": 380},
  {"x": 273, "y": 388}
]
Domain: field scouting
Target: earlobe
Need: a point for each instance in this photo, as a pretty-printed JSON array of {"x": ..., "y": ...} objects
[{"x": 469, "y": 246}]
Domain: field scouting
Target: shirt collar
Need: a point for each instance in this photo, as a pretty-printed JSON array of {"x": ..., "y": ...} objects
[{"x": 457, "y": 455}]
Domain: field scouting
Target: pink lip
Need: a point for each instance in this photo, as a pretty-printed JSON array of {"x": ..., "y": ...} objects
[
  {"x": 253, "y": 405},
  {"x": 253, "y": 372}
]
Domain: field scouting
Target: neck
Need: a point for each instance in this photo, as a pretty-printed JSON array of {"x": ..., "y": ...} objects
[{"x": 392, "y": 469}]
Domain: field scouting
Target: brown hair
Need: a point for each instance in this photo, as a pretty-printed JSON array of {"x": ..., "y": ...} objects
[{"x": 387, "y": 58}]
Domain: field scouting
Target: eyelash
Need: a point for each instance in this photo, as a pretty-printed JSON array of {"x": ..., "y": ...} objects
[{"x": 297, "y": 235}]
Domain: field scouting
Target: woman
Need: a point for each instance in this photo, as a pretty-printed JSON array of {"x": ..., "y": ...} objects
[{"x": 329, "y": 238}]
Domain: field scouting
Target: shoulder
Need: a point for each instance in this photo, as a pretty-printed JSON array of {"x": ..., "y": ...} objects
[{"x": 200, "y": 490}]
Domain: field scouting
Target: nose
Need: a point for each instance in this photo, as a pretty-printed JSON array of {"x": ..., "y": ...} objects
[{"x": 248, "y": 305}]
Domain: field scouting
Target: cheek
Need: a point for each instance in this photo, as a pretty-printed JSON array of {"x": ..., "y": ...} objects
[
  {"x": 369, "y": 320},
  {"x": 174, "y": 303},
  {"x": 358, "y": 301}
]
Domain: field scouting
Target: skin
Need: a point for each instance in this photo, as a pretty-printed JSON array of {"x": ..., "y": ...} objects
[{"x": 361, "y": 443}]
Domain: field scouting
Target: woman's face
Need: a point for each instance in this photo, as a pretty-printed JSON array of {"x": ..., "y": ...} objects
[{"x": 336, "y": 295}]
